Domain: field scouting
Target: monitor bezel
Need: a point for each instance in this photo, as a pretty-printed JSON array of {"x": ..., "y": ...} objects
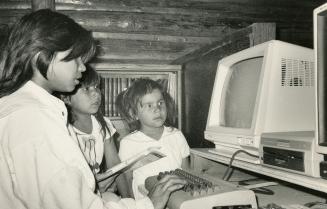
[
  {"x": 223, "y": 69},
  {"x": 316, "y": 13}
]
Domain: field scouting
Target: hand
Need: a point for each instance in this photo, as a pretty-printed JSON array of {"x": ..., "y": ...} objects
[
  {"x": 105, "y": 182},
  {"x": 159, "y": 195}
]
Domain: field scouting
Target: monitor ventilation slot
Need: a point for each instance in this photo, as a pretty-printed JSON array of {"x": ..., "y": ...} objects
[{"x": 297, "y": 73}]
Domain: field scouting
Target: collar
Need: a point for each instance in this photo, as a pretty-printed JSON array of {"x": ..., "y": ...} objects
[
  {"x": 95, "y": 126},
  {"x": 144, "y": 137}
]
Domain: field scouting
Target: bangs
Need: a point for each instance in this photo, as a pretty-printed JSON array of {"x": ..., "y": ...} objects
[
  {"x": 90, "y": 77},
  {"x": 84, "y": 46}
]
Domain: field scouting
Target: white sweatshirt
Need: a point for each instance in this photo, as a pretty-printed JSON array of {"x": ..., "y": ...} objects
[{"x": 40, "y": 165}]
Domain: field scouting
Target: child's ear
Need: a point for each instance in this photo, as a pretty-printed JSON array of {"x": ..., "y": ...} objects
[
  {"x": 132, "y": 115},
  {"x": 33, "y": 61}
]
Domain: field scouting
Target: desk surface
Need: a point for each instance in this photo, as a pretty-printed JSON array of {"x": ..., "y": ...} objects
[{"x": 311, "y": 189}]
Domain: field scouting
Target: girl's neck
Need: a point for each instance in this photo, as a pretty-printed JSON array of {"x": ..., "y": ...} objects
[
  {"x": 154, "y": 133},
  {"x": 83, "y": 122}
]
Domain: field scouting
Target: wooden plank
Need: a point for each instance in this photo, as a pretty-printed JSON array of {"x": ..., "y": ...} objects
[
  {"x": 174, "y": 25},
  {"x": 129, "y": 61},
  {"x": 43, "y": 4},
  {"x": 135, "y": 46},
  {"x": 15, "y": 5},
  {"x": 137, "y": 67},
  {"x": 167, "y": 20},
  {"x": 143, "y": 50},
  {"x": 232, "y": 9},
  {"x": 244, "y": 37},
  {"x": 145, "y": 56},
  {"x": 262, "y": 32},
  {"x": 151, "y": 37},
  {"x": 10, "y": 16},
  {"x": 225, "y": 41},
  {"x": 239, "y": 10},
  {"x": 202, "y": 4}
]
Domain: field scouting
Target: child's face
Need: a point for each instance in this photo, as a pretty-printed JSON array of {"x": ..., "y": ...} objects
[
  {"x": 152, "y": 110},
  {"x": 86, "y": 100},
  {"x": 63, "y": 75}
]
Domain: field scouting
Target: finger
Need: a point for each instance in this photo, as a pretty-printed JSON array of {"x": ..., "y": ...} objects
[
  {"x": 168, "y": 177},
  {"x": 173, "y": 184},
  {"x": 175, "y": 187}
]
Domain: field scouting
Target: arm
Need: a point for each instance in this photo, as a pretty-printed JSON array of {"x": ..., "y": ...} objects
[
  {"x": 129, "y": 176},
  {"x": 125, "y": 153},
  {"x": 111, "y": 156},
  {"x": 186, "y": 163},
  {"x": 185, "y": 151}
]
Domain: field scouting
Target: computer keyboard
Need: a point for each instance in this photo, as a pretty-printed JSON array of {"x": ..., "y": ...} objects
[{"x": 205, "y": 192}]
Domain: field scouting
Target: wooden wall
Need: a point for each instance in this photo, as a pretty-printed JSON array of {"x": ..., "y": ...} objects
[
  {"x": 167, "y": 31},
  {"x": 180, "y": 32}
]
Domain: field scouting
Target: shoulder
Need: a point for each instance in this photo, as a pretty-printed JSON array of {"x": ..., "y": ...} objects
[
  {"x": 18, "y": 101},
  {"x": 110, "y": 125},
  {"x": 132, "y": 144},
  {"x": 135, "y": 139},
  {"x": 168, "y": 130},
  {"x": 174, "y": 135},
  {"x": 131, "y": 136}
]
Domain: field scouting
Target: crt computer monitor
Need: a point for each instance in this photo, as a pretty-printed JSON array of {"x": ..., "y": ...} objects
[
  {"x": 320, "y": 51},
  {"x": 265, "y": 88}
]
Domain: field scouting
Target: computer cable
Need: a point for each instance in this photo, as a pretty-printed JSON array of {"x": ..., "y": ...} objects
[{"x": 229, "y": 170}]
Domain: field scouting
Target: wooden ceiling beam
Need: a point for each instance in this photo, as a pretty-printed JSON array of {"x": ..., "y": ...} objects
[
  {"x": 43, "y": 4},
  {"x": 150, "y": 37},
  {"x": 194, "y": 4},
  {"x": 174, "y": 25},
  {"x": 112, "y": 46},
  {"x": 267, "y": 31},
  {"x": 129, "y": 61},
  {"x": 141, "y": 55}
]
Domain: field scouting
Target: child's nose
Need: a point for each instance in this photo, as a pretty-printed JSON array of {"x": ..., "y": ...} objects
[
  {"x": 95, "y": 93},
  {"x": 156, "y": 107}
]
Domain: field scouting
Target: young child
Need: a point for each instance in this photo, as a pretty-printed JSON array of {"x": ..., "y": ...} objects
[
  {"x": 92, "y": 131},
  {"x": 144, "y": 106},
  {"x": 40, "y": 165}
]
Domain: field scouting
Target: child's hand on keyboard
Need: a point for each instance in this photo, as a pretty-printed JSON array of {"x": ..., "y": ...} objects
[{"x": 160, "y": 193}]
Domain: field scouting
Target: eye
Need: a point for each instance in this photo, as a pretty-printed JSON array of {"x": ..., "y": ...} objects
[
  {"x": 84, "y": 88},
  {"x": 161, "y": 103}
]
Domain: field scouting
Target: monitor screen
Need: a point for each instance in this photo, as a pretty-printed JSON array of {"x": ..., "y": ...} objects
[{"x": 239, "y": 93}]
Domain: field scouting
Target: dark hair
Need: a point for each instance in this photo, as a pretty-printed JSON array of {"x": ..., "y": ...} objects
[
  {"x": 89, "y": 78},
  {"x": 128, "y": 100},
  {"x": 42, "y": 33}
]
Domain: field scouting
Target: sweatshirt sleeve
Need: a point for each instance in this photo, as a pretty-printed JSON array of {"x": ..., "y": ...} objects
[
  {"x": 68, "y": 190},
  {"x": 184, "y": 148}
]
